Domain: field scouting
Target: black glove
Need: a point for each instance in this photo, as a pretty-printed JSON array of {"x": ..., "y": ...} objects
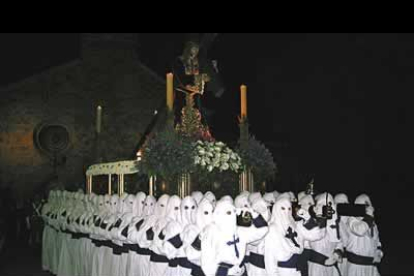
[
  {"x": 369, "y": 219},
  {"x": 125, "y": 232},
  {"x": 118, "y": 223},
  {"x": 138, "y": 224},
  {"x": 311, "y": 223},
  {"x": 244, "y": 219},
  {"x": 321, "y": 221},
  {"x": 150, "y": 234}
]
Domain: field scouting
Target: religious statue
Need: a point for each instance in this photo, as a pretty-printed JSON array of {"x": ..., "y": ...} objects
[
  {"x": 309, "y": 189},
  {"x": 194, "y": 70}
]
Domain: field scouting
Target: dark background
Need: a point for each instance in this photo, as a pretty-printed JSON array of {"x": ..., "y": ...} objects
[{"x": 337, "y": 106}]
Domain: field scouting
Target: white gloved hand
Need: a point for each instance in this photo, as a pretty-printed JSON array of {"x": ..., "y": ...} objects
[
  {"x": 338, "y": 257},
  {"x": 369, "y": 210},
  {"x": 378, "y": 256},
  {"x": 254, "y": 214},
  {"x": 215, "y": 65},
  {"x": 236, "y": 270},
  {"x": 302, "y": 213},
  {"x": 333, "y": 259}
]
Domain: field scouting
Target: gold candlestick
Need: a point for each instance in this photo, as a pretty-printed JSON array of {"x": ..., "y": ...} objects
[
  {"x": 243, "y": 102},
  {"x": 151, "y": 186},
  {"x": 170, "y": 92},
  {"x": 98, "y": 119}
]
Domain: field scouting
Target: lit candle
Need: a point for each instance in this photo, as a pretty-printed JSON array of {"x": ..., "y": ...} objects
[
  {"x": 170, "y": 92},
  {"x": 243, "y": 92},
  {"x": 98, "y": 119},
  {"x": 90, "y": 183},
  {"x": 139, "y": 155},
  {"x": 151, "y": 186}
]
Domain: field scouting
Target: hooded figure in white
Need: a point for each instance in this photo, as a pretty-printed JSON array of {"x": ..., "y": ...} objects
[
  {"x": 55, "y": 235},
  {"x": 344, "y": 232},
  {"x": 256, "y": 250},
  {"x": 270, "y": 199},
  {"x": 223, "y": 243},
  {"x": 318, "y": 196},
  {"x": 138, "y": 262},
  {"x": 276, "y": 194},
  {"x": 245, "y": 193},
  {"x": 146, "y": 234},
  {"x": 305, "y": 202},
  {"x": 80, "y": 239},
  {"x": 111, "y": 257},
  {"x": 287, "y": 195},
  {"x": 73, "y": 242},
  {"x": 135, "y": 216},
  {"x": 48, "y": 231},
  {"x": 364, "y": 251},
  {"x": 285, "y": 240},
  {"x": 290, "y": 195},
  {"x": 46, "y": 213},
  {"x": 103, "y": 209},
  {"x": 253, "y": 196},
  {"x": 242, "y": 201},
  {"x": 188, "y": 211},
  {"x": 191, "y": 239},
  {"x": 301, "y": 195},
  {"x": 210, "y": 197},
  {"x": 87, "y": 222},
  {"x": 173, "y": 245},
  {"x": 102, "y": 257},
  {"x": 227, "y": 198},
  {"x": 66, "y": 263},
  {"x": 327, "y": 252},
  {"x": 198, "y": 196},
  {"x": 159, "y": 262},
  {"x": 124, "y": 218}
]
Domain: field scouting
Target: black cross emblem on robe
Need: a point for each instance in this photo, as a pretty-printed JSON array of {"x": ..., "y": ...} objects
[
  {"x": 292, "y": 235},
  {"x": 235, "y": 241},
  {"x": 336, "y": 226}
]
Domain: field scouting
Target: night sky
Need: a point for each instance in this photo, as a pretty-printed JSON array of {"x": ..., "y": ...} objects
[{"x": 342, "y": 101}]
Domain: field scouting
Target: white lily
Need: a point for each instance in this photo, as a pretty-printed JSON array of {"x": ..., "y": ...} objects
[
  {"x": 225, "y": 157},
  {"x": 224, "y": 167},
  {"x": 197, "y": 160}
]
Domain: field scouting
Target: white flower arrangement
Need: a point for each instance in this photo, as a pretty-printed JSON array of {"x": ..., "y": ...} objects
[{"x": 211, "y": 155}]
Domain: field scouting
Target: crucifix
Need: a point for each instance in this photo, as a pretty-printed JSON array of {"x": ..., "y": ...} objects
[
  {"x": 234, "y": 242},
  {"x": 336, "y": 227},
  {"x": 198, "y": 69},
  {"x": 195, "y": 74},
  {"x": 292, "y": 235}
]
